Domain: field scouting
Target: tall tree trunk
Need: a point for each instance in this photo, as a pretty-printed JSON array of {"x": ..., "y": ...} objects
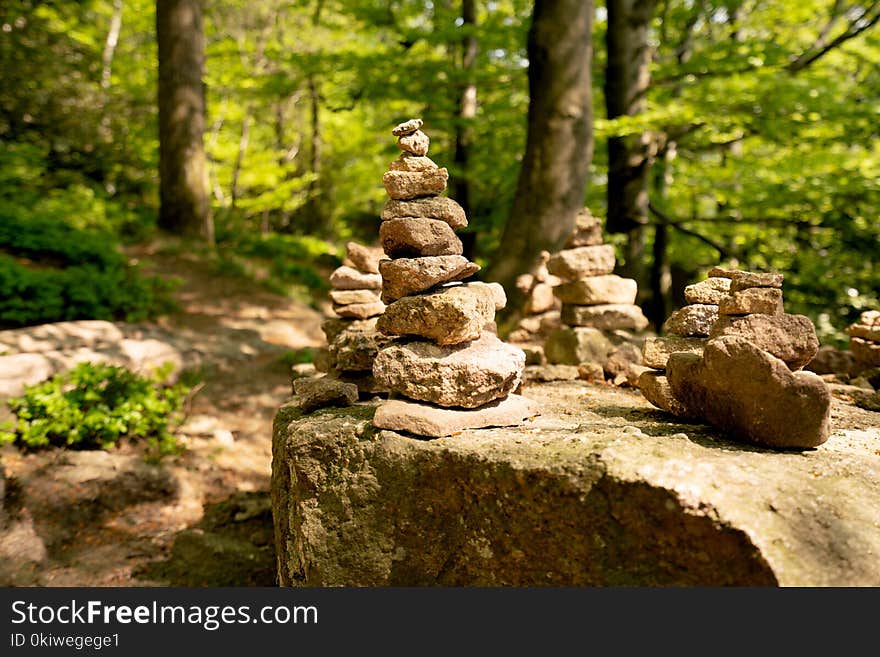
[
  {"x": 467, "y": 107},
  {"x": 183, "y": 179},
  {"x": 110, "y": 44},
  {"x": 243, "y": 141},
  {"x": 559, "y": 143},
  {"x": 627, "y": 78}
]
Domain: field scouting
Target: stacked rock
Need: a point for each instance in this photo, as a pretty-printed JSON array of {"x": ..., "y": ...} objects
[
  {"x": 598, "y": 307},
  {"x": 446, "y": 361},
  {"x": 747, "y": 380},
  {"x": 685, "y": 331},
  {"x": 352, "y": 338},
  {"x": 540, "y": 315},
  {"x": 864, "y": 339}
]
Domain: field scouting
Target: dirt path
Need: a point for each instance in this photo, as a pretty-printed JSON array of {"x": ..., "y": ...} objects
[{"x": 200, "y": 518}]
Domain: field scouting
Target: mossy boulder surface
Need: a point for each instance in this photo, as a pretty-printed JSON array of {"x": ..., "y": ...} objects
[{"x": 599, "y": 490}]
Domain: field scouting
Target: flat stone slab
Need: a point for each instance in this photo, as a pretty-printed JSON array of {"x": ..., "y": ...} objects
[
  {"x": 657, "y": 350},
  {"x": 435, "y": 422},
  {"x": 467, "y": 375},
  {"x": 403, "y": 277},
  {"x": 606, "y": 316},
  {"x": 599, "y": 490},
  {"x": 431, "y": 207},
  {"x": 693, "y": 320},
  {"x": 403, "y": 185},
  {"x": 598, "y": 289},
  {"x": 752, "y": 300},
  {"x": 711, "y": 291},
  {"x": 582, "y": 261}
]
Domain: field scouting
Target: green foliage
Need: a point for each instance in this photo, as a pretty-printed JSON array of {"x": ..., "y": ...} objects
[
  {"x": 51, "y": 272},
  {"x": 95, "y": 406}
]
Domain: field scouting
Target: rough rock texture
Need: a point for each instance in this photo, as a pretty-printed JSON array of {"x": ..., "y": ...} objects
[
  {"x": 657, "y": 350},
  {"x": 791, "y": 338},
  {"x": 410, "y": 162},
  {"x": 405, "y": 276},
  {"x": 760, "y": 300},
  {"x": 407, "y": 127},
  {"x": 598, "y": 289},
  {"x": 432, "y": 207},
  {"x": 867, "y": 328},
  {"x": 405, "y": 185},
  {"x": 721, "y": 272},
  {"x": 599, "y": 490},
  {"x": 656, "y": 389},
  {"x": 710, "y": 291},
  {"x": 587, "y": 230},
  {"x": 607, "y": 316},
  {"x": 865, "y": 352},
  {"x": 317, "y": 392},
  {"x": 540, "y": 300},
  {"x": 435, "y": 422},
  {"x": 575, "y": 345},
  {"x": 333, "y": 327},
  {"x": 364, "y": 258},
  {"x": 349, "y": 278},
  {"x": 493, "y": 291},
  {"x": 359, "y": 310},
  {"x": 467, "y": 375},
  {"x": 545, "y": 373},
  {"x": 744, "y": 390},
  {"x": 354, "y": 351},
  {"x": 451, "y": 316},
  {"x": 582, "y": 261},
  {"x": 744, "y": 280},
  {"x": 696, "y": 319},
  {"x": 414, "y": 237},
  {"x": 416, "y": 142},
  {"x": 831, "y": 360},
  {"x": 345, "y": 297}
]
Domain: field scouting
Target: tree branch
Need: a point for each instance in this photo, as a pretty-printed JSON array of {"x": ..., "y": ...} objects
[
  {"x": 666, "y": 220},
  {"x": 866, "y": 20}
]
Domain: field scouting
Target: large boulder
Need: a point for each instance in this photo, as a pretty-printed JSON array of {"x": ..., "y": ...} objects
[
  {"x": 587, "y": 494},
  {"x": 750, "y": 393}
]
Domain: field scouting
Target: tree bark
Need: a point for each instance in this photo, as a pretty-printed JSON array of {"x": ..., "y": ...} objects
[
  {"x": 183, "y": 184},
  {"x": 627, "y": 78},
  {"x": 559, "y": 144},
  {"x": 467, "y": 108},
  {"x": 110, "y": 44}
]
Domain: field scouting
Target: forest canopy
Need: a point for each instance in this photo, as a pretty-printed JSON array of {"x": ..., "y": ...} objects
[{"x": 757, "y": 123}]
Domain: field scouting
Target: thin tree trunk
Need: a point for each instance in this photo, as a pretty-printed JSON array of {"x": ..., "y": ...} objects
[
  {"x": 627, "y": 78},
  {"x": 243, "y": 141},
  {"x": 183, "y": 186},
  {"x": 467, "y": 108},
  {"x": 110, "y": 44},
  {"x": 559, "y": 144}
]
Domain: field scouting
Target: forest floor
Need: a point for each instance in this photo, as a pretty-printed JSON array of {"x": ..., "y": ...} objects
[{"x": 203, "y": 517}]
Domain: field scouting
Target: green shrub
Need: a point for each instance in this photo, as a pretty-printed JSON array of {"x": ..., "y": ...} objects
[
  {"x": 94, "y": 406},
  {"x": 52, "y": 272}
]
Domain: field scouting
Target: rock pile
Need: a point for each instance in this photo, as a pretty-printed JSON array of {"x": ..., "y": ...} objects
[
  {"x": 740, "y": 372},
  {"x": 352, "y": 338},
  {"x": 540, "y": 314},
  {"x": 685, "y": 331},
  {"x": 598, "y": 307},
  {"x": 447, "y": 361},
  {"x": 864, "y": 339}
]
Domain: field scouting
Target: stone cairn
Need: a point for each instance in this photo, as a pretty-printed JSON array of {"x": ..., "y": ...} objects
[
  {"x": 540, "y": 314},
  {"x": 864, "y": 339},
  {"x": 352, "y": 338},
  {"x": 446, "y": 360},
  {"x": 598, "y": 308},
  {"x": 734, "y": 359}
]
